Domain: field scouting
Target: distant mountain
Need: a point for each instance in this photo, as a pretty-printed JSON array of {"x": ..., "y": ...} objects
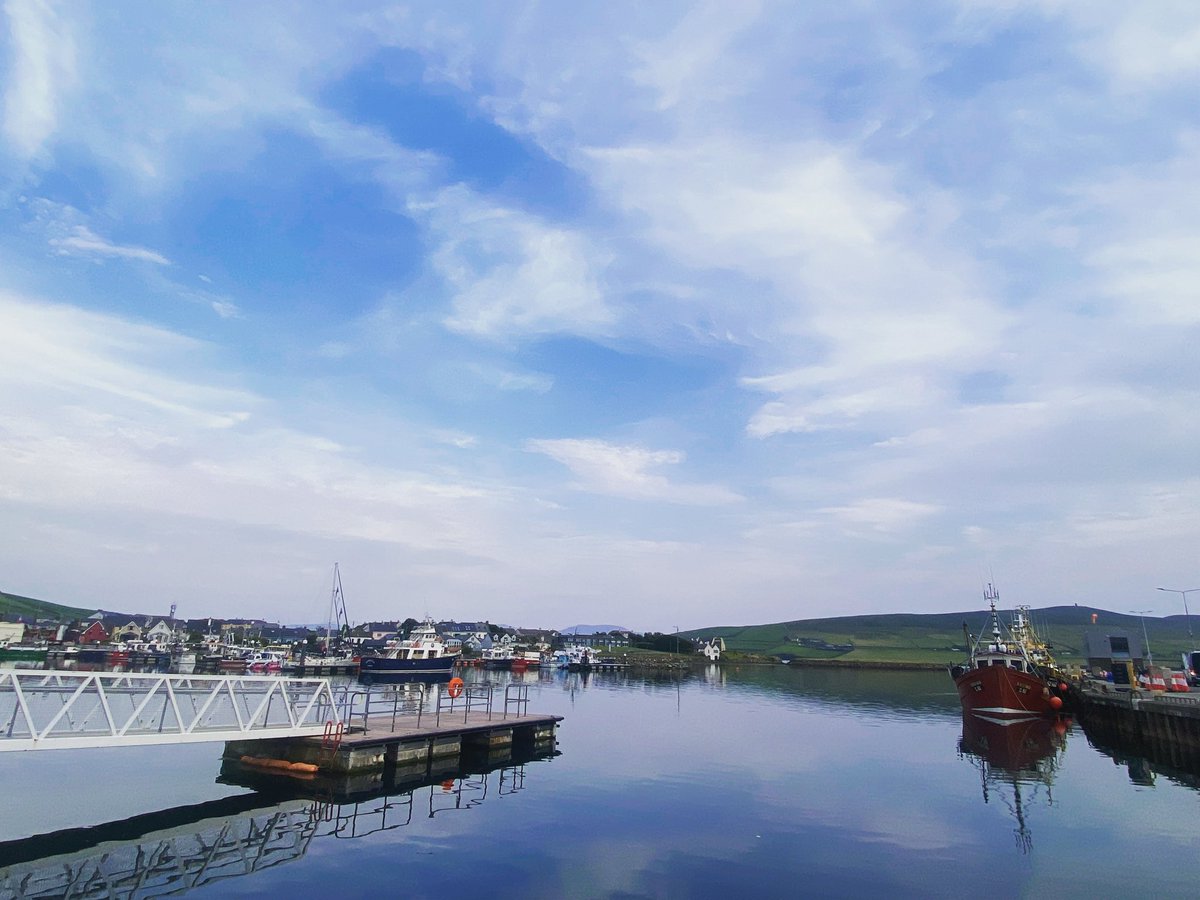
[
  {"x": 12, "y": 605},
  {"x": 590, "y": 629}
]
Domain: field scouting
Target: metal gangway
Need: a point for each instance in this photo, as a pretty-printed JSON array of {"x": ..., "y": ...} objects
[{"x": 42, "y": 710}]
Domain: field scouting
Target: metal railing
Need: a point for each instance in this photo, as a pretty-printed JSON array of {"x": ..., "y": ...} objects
[
  {"x": 516, "y": 697},
  {"x": 390, "y": 701},
  {"x": 475, "y": 697},
  {"x": 52, "y": 709}
]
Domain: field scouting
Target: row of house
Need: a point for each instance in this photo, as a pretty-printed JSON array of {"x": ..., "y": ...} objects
[{"x": 471, "y": 637}]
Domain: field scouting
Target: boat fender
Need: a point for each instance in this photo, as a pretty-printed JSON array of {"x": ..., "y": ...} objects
[
  {"x": 455, "y": 687},
  {"x": 1045, "y": 692},
  {"x": 1056, "y": 703},
  {"x": 302, "y": 767}
]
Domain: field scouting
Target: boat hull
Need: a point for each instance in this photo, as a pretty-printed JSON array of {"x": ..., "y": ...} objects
[
  {"x": 382, "y": 665},
  {"x": 23, "y": 654},
  {"x": 1004, "y": 694}
]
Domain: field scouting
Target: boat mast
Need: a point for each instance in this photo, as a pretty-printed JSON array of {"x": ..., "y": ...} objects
[{"x": 337, "y": 609}]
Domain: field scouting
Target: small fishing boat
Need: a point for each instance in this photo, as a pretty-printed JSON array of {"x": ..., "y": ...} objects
[
  {"x": 498, "y": 659},
  {"x": 265, "y": 662},
  {"x": 1009, "y": 675},
  {"x": 23, "y": 653}
]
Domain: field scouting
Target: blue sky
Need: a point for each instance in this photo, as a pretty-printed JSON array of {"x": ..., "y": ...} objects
[{"x": 668, "y": 314}]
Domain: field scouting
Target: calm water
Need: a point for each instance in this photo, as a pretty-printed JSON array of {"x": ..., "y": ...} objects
[{"x": 769, "y": 782}]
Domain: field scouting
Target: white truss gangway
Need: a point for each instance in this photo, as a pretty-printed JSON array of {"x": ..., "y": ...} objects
[{"x": 43, "y": 710}]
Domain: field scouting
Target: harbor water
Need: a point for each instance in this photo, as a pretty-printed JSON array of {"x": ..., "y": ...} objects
[{"x": 727, "y": 781}]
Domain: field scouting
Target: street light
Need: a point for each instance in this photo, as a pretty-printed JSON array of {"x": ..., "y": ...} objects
[
  {"x": 1142, "y": 613},
  {"x": 1186, "y": 615},
  {"x": 676, "y": 641}
]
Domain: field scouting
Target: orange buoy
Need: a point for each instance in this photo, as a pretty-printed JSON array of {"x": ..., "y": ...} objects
[
  {"x": 302, "y": 767},
  {"x": 1056, "y": 703},
  {"x": 456, "y": 687}
]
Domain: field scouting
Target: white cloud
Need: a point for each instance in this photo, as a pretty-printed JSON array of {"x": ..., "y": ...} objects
[
  {"x": 1144, "y": 45},
  {"x": 511, "y": 275},
  {"x": 800, "y": 199},
  {"x": 92, "y": 358},
  {"x": 43, "y": 68},
  {"x": 694, "y": 60},
  {"x": 82, "y": 241},
  {"x": 627, "y": 471},
  {"x": 883, "y": 514}
]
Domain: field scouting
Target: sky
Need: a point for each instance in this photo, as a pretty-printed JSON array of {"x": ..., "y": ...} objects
[{"x": 666, "y": 315}]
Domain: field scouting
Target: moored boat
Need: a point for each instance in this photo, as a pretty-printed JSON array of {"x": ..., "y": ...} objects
[
  {"x": 23, "y": 653},
  {"x": 498, "y": 659},
  {"x": 1009, "y": 674},
  {"x": 422, "y": 653},
  {"x": 265, "y": 662}
]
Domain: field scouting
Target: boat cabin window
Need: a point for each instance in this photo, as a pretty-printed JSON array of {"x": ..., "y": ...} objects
[{"x": 1016, "y": 664}]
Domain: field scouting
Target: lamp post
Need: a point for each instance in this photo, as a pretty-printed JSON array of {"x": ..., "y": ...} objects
[
  {"x": 1186, "y": 615},
  {"x": 676, "y": 640},
  {"x": 1145, "y": 637}
]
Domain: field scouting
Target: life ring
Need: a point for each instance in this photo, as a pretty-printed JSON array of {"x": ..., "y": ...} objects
[{"x": 456, "y": 687}]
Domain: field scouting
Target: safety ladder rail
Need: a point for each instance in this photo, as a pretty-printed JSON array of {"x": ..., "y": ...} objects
[{"x": 516, "y": 699}]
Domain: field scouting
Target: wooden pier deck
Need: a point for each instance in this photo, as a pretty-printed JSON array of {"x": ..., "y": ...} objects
[{"x": 382, "y": 741}]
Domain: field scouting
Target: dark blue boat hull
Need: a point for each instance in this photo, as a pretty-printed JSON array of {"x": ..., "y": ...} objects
[{"x": 380, "y": 665}]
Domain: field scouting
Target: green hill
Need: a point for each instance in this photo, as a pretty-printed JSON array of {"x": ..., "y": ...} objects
[
  {"x": 13, "y": 605},
  {"x": 937, "y": 637}
]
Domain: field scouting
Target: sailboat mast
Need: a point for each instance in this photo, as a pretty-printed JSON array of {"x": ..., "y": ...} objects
[{"x": 337, "y": 586}]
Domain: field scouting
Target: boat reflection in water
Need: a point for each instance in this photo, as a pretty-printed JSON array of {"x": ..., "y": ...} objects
[
  {"x": 1017, "y": 761},
  {"x": 175, "y": 850}
]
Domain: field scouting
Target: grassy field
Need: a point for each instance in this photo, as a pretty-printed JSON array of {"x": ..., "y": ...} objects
[
  {"x": 938, "y": 638},
  {"x": 14, "y": 605}
]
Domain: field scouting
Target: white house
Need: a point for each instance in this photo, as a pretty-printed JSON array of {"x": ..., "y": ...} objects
[{"x": 160, "y": 633}]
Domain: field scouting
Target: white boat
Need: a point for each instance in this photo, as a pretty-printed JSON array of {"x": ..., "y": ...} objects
[
  {"x": 497, "y": 658},
  {"x": 570, "y": 656},
  {"x": 265, "y": 661}
]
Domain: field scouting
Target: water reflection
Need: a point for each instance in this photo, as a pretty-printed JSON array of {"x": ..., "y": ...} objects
[
  {"x": 173, "y": 851},
  {"x": 1017, "y": 762},
  {"x": 1144, "y": 757}
]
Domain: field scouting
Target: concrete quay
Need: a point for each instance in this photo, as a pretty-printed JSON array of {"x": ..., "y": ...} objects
[{"x": 1163, "y": 727}]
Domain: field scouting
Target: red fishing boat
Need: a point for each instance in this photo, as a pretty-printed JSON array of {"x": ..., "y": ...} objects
[{"x": 1010, "y": 674}]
